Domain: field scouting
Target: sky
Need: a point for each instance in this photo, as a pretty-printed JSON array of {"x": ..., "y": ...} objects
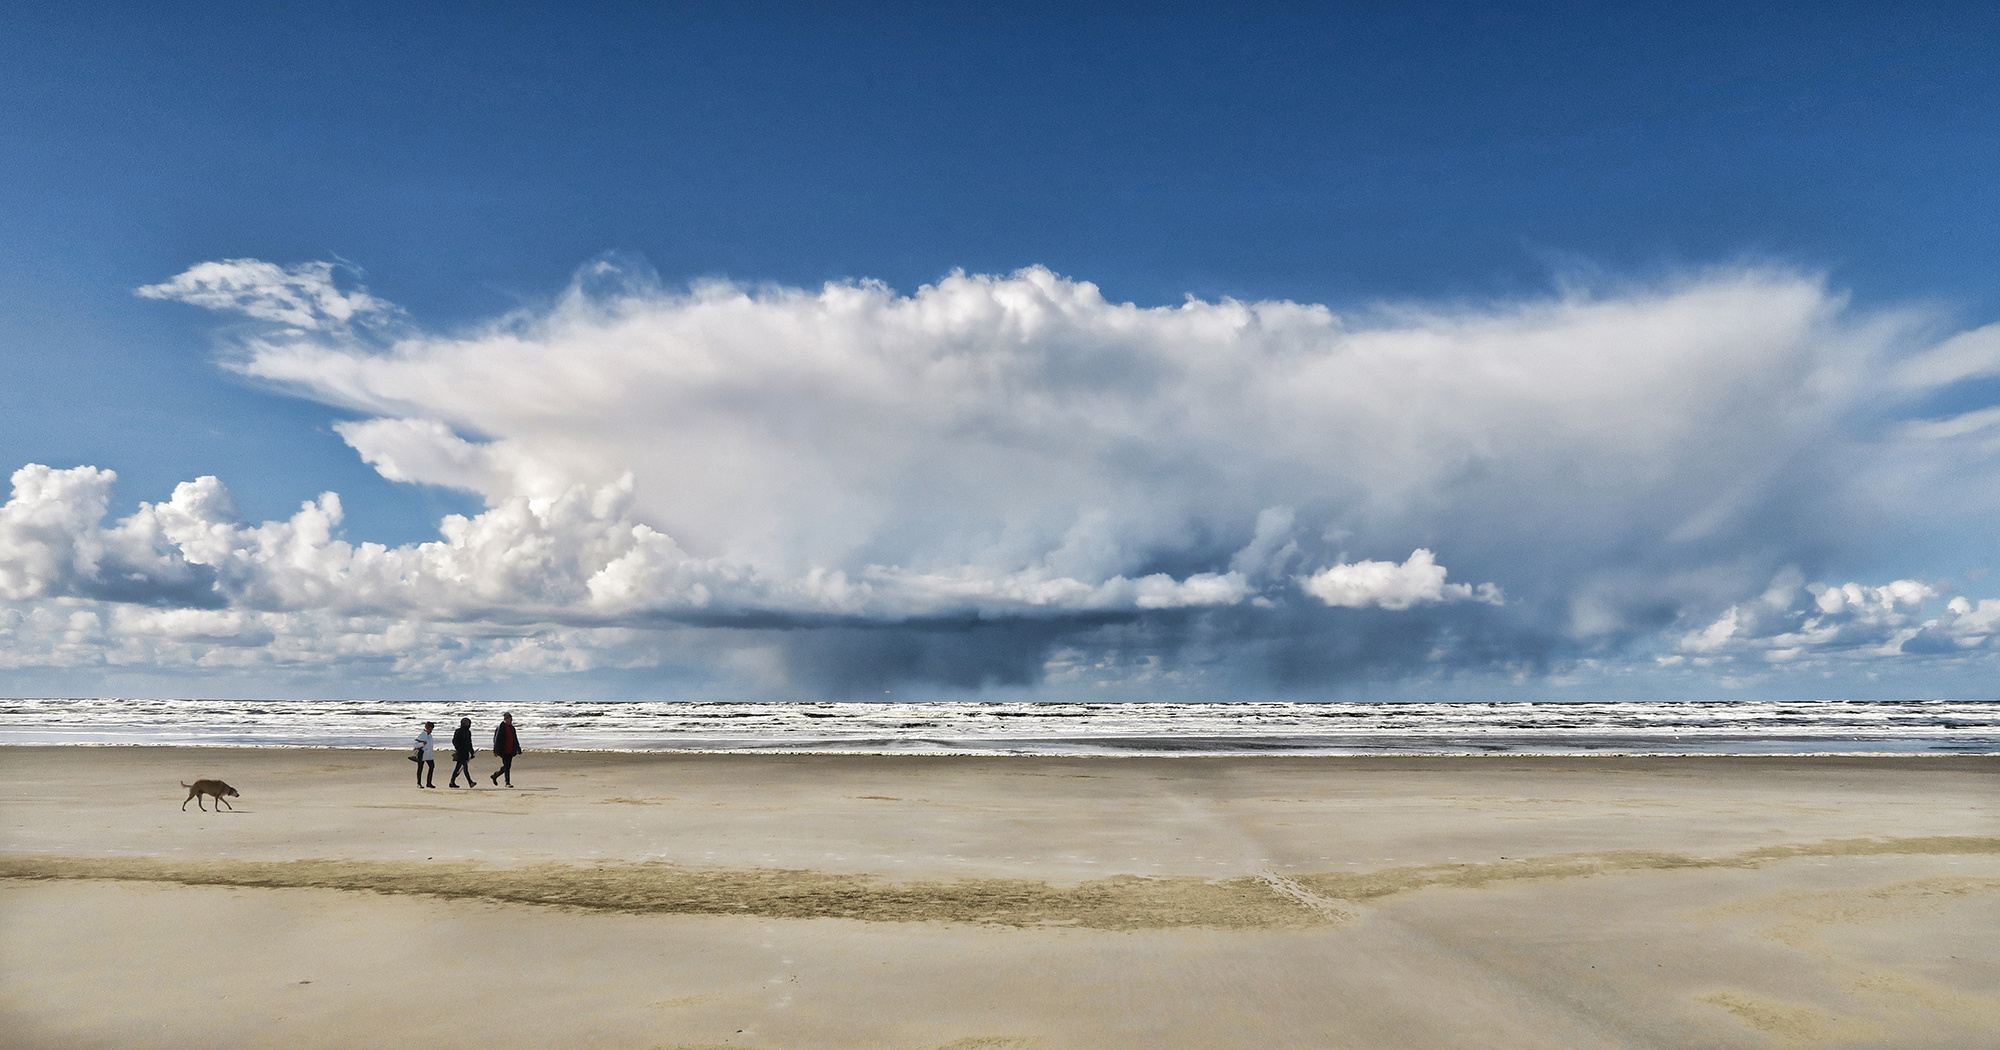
[{"x": 723, "y": 352}]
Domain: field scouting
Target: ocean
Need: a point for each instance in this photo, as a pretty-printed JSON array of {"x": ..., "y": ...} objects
[{"x": 1019, "y": 728}]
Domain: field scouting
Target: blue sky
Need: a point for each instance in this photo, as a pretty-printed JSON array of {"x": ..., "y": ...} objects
[{"x": 1766, "y": 212}]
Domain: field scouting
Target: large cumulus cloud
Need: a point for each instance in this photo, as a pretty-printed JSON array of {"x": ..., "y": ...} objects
[{"x": 1005, "y": 479}]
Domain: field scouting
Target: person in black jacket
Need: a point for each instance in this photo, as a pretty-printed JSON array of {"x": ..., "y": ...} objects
[
  {"x": 505, "y": 746},
  {"x": 462, "y": 752}
]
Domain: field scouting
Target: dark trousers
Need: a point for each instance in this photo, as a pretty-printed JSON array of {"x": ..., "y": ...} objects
[
  {"x": 459, "y": 765},
  {"x": 430, "y": 766},
  {"x": 506, "y": 770}
]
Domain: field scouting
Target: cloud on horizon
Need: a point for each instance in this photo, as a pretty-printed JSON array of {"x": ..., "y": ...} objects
[{"x": 1012, "y": 480}]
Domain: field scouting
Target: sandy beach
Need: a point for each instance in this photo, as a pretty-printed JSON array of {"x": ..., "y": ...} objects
[{"x": 625, "y": 900}]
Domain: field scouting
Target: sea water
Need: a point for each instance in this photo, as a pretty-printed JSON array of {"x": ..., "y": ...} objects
[{"x": 1057, "y": 728}]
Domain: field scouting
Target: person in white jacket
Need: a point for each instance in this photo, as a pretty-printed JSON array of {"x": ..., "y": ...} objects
[{"x": 426, "y": 757}]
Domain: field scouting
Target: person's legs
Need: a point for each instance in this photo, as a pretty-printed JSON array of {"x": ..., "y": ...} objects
[
  {"x": 420, "y": 771},
  {"x": 429, "y": 768},
  {"x": 461, "y": 766},
  {"x": 506, "y": 770}
]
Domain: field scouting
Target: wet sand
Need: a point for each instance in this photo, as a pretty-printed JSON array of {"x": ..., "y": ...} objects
[{"x": 834, "y": 901}]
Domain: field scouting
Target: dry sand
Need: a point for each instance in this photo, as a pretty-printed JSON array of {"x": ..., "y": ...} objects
[{"x": 903, "y": 902}]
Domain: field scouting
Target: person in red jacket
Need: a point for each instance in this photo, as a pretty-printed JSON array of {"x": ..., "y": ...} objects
[{"x": 505, "y": 746}]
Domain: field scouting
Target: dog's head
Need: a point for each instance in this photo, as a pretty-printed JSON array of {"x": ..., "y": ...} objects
[{"x": 230, "y": 791}]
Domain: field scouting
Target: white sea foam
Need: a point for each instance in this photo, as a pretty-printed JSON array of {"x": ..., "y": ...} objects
[{"x": 1304, "y": 728}]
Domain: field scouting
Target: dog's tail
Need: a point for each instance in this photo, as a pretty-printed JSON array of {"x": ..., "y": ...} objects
[{"x": 187, "y": 785}]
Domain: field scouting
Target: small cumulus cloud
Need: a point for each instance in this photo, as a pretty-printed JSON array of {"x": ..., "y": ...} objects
[
  {"x": 1388, "y": 585},
  {"x": 1821, "y": 623}
]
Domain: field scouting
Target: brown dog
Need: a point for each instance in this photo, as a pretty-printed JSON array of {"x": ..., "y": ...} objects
[{"x": 214, "y": 788}]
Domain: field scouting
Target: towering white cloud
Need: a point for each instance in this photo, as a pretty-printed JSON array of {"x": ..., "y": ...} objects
[
  {"x": 1024, "y": 423},
  {"x": 1617, "y": 465}
]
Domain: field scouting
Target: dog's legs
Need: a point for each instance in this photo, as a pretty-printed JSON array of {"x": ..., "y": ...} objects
[{"x": 224, "y": 802}]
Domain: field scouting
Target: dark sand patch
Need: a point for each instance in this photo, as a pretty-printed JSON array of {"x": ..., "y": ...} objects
[
  {"x": 1118, "y": 903},
  {"x": 1122, "y": 902},
  {"x": 1803, "y": 914},
  {"x": 1798, "y": 1024},
  {"x": 1368, "y": 885}
]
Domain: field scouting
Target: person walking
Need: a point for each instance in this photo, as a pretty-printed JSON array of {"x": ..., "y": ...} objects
[
  {"x": 506, "y": 744},
  {"x": 426, "y": 757},
  {"x": 462, "y": 752}
]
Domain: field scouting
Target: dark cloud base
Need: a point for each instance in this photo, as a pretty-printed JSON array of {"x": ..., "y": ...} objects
[
  {"x": 962, "y": 653},
  {"x": 1289, "y": 649}
]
